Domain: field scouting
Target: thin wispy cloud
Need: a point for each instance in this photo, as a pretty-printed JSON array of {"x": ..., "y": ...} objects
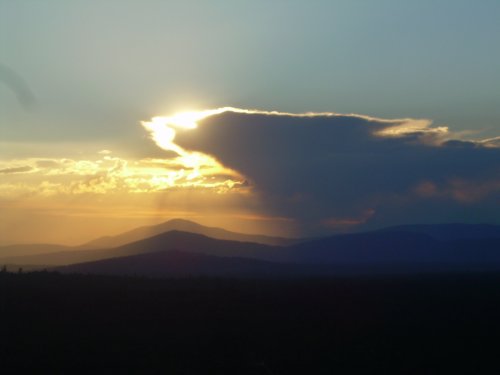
[{"x": 110, "y": 175}]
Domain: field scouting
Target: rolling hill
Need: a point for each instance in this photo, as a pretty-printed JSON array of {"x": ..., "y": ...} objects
[
  {"x": 173, "y": 240},
  {"x": 183, "y": 226},
  {"x": 398, "y": 249},
  {"x": 60, "y": 254},
  {"x": 449, "y": 232},
  {"x": 420, "y": 248},
  {"x": 175, "y": 263},
  {"x": 362, "y": 254}
]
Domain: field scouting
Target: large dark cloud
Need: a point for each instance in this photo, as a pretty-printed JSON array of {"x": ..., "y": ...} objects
[{"x": 338, "y": 172}]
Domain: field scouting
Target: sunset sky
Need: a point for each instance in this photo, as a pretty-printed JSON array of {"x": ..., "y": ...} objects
[{"x": 289, "y": 118}]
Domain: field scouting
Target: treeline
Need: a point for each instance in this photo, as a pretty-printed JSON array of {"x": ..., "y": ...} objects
[{"x": 53, "y": 323}]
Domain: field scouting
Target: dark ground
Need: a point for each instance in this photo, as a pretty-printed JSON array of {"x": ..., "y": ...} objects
[{"x": 52, "y": 323}]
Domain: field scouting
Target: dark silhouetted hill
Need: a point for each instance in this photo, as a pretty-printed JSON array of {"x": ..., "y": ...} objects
[
  {"x": 403, "y": 250},
  {"x": 448, "y": 232},
  {"x": 183, "y": 226},
  {"x": 175, "y": 263},
  {"x": 390, "y": 251},
  {"x": 173, "y": 240},
  {"x": 59, "y": 254},
  {"x": 379, "y": 247}
]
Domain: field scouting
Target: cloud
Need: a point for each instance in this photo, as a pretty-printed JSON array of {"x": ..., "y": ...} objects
[
  {"x": 114, "y": 175},
  {"x": 353, "y": 169},
  {"x": 492, "y": 142},
  {"x": 12, "y": 170}
]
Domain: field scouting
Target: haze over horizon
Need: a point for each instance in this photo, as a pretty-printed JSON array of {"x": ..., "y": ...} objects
[{"x": 282, "y": 118}]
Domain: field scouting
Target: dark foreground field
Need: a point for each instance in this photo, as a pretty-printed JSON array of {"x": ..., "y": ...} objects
[{"x": 53, "y": 323}]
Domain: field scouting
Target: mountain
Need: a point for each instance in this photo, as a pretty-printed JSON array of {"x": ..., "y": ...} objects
[
  {"x": 175, "y": 263},
  {"x": 389, "y": 250},
  {"x": 366, "y": 247},
  {"x": 173, "y": 240},
  {"x": 367, "y": 254},
  {"x": 183, "y": 226},
  {"x": 398, "y": 249},
  {"x": 447, "y": 232},
  {"x": 58, "y": 254}
]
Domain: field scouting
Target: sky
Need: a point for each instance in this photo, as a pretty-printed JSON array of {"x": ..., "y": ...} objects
[{"x": 81, "y": 81}]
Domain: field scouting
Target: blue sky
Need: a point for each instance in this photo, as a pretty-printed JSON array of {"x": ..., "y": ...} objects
[{"x": 96, "y": 69}]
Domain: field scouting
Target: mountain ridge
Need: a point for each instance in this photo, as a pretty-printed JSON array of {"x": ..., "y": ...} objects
[
  {"x": 184, "y": 226},
  {"x": 107, "y": 242},
  {"x": 383, "y": 248},
  {"x": 163, "y": 241},
  {"x": 450, "y": 231},
  {"x": 178, "y": 263}
]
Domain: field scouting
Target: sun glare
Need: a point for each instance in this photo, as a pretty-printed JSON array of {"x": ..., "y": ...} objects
[
  {"x": 198, "y": 166},
  {"x": 164, "y": 129},
  {"x": 186, "y": 120}
]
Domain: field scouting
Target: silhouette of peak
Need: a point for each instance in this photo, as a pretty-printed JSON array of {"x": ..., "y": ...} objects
[
  {"x": 176, "y": 234},
  {"x": 180, "y": 263},
  {"x": 183, "y": 225},
  {"x": 451, "y": 231},
  {"x": 181, "y": 222}
]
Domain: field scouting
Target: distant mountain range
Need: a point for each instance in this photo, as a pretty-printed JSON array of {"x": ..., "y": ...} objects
[
  {"x": 175, "y": 263},
  {"x": 184, "y": 226},
  {"x": 172, "y": 240},
  {"x": 11, "y": 253},
  {"x": 454, "y": 231},
  {"x": 395, "y": 248},
  {"x": 365, "y": 253},
  {"x": 174, "y": 253}
]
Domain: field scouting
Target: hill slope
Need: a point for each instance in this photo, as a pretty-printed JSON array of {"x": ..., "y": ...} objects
[
  {"x": 449, "y": 232},
  {"x": 174, "y": 263},
  {"x": 173, "y": 240},
  {"x": 370, "y": 254},
  {"x": 183, "y": 226},
  {"x": 397, "y": 249},
  {"x": 389, "y": 250}
]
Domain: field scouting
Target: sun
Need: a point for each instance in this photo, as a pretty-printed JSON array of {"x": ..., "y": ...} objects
[
  {"x": 163, "y": 131},
  {"x": 185, "y": 120}
]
